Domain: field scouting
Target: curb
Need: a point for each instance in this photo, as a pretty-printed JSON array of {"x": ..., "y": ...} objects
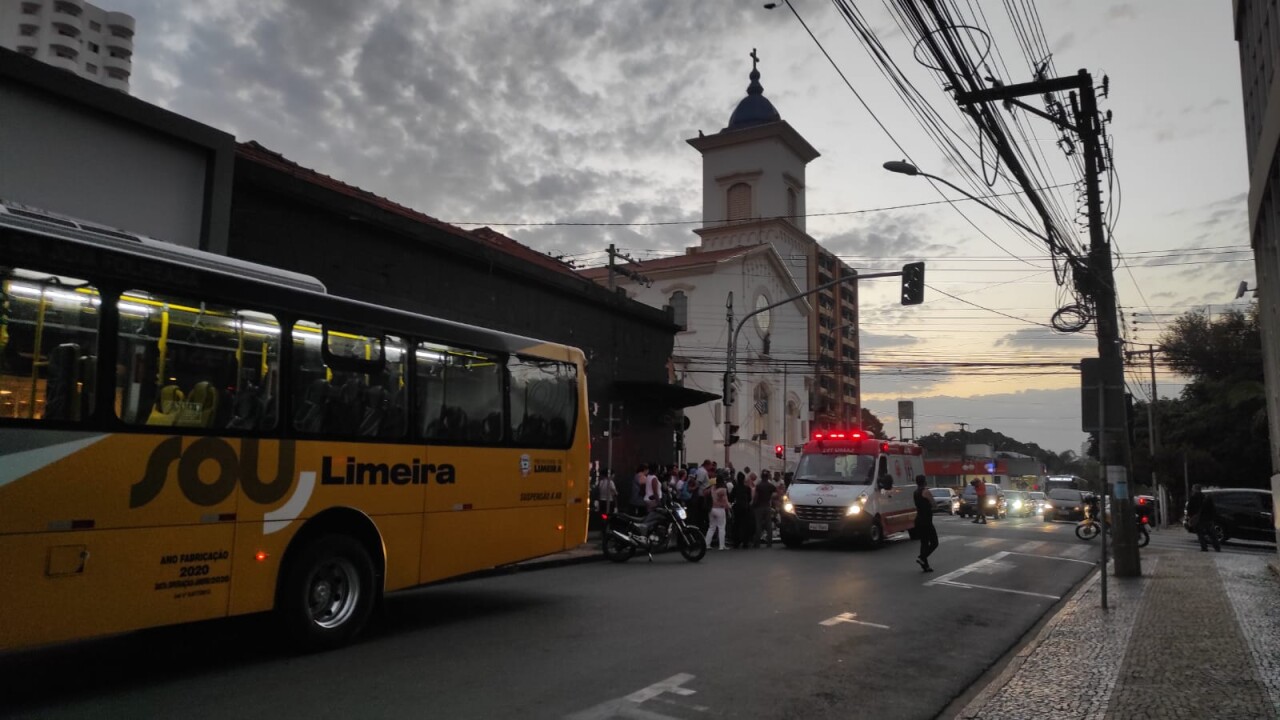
[{"x": 973, "y": 709}]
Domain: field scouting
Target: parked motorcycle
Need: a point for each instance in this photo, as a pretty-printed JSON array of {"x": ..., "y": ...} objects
[
  {"x": 625, "y": 534},
  {"x": 1091, "y": 526}
]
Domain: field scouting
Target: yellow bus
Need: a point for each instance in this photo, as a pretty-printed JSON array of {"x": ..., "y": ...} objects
[{"x": 185, "y": 436}]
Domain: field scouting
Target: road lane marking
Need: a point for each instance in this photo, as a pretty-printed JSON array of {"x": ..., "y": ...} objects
[
  {"x": 671, "y": 685},
  {"x": 949, "y": 538},
  {"x": 1027, "y": 547},
  {"x": 1078, "y": 551},
  {"x": 997, "y": 589},
  {"x": 967, "y": 569},
  {"x": 629, "y": 706},
  {"x": 985, "y": 542},
  {"x": 849, "y": 618},
  {"x": 989, "y": 566},
  {"x": 1053, "y": 557}
]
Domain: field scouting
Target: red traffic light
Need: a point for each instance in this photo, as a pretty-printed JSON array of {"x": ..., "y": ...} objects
[{"x": 779, "y": 450}]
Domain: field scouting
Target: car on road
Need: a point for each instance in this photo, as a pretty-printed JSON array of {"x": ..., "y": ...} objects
[
  {"x": 1242, "y": 514},
  {"x": 1019, "y": 503},
  {"x": 997, "y": 503},
  {"x": 945, "y": 500},
  {"x": 1064, "y": 504},
  {"x": 1038, "y": 500}
]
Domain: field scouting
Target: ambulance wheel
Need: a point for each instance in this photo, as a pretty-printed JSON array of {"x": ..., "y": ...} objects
[{"x": 876, "y": 538}]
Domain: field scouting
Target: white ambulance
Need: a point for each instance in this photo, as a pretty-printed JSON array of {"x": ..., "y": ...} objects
[{"x": 851, "y": 485}]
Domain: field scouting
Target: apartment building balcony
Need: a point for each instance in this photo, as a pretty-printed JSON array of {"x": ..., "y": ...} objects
[
  {"x": 72, "y": 8},
  {"x": 66, "y": 27},
  {"x": 64, "y": 62},
  {"x": 120, "y": 25},
  {"x": 61, "y": 46},
  {"x": 118, "y": 65}
]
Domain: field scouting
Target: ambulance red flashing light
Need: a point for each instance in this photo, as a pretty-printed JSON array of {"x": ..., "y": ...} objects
[{"x": 840, "y": 435}]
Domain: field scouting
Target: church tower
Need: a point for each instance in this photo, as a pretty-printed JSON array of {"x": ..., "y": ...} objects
[{"x": 753, "y": 192}]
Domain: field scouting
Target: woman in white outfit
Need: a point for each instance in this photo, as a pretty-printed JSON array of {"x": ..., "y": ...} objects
[{"x": 719, "y": 512}]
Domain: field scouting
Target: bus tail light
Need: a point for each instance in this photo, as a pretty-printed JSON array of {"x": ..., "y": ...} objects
[{"x": 261, "y": 555}]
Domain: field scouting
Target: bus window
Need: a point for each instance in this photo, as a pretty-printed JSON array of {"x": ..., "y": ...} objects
[
  {"x": 348, "y": 382},
  {"x": 186, "y": 363},
  {"x": 543, "y": 397},
  {"x": 459, "y": 395},
  {"x": 48, "y": 346}
]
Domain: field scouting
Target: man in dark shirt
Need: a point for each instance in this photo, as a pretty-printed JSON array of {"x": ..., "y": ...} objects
[
  {"x": 1201, "y": 513},
  {"x": 925, "y": 530}
]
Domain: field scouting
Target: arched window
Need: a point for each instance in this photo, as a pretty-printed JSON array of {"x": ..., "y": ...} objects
[
  {"x": 760, "y": 418},
  {"x": 739, "y": 202},
  {"x": 679, "y": 303},
  {"x": 793, "y": 206}
]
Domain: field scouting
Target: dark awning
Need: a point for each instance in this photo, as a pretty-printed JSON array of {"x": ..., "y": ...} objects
[{"x": 664, "y": 394}]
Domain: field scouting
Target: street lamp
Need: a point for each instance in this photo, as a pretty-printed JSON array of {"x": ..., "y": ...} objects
[{"x": 902, "y": 167}]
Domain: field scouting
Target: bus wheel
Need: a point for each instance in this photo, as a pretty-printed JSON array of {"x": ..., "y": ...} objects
[{"x": 327, "y": 594}]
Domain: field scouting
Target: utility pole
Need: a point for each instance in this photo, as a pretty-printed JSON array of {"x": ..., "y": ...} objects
[
  {"x": 1153, "y": 441},
  {"x": 614, "y": 268},
  {"x": 1094, "y": 277},
  {"x": 728, "y": 380}
]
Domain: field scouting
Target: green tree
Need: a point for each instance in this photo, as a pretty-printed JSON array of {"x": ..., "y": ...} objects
[
  {"x": 1217, "y": 427},
  {"x": 872, "y": 424}
]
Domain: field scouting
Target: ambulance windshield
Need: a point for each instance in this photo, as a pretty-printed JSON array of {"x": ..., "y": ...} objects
[{"x": 835, "y": 468}]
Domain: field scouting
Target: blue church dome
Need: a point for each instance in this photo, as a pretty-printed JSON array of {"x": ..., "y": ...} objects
[{"x": 755, "y": 108}]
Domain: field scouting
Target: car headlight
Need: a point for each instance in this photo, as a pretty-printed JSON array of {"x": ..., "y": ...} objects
[
  {"x": 991, "y": 501},
  {"x": 787, "y": 507},
  {"x": 854, "y": 509},
  {"x": 1048, "y": 506},
  {"x": 1017, "y": 504}
]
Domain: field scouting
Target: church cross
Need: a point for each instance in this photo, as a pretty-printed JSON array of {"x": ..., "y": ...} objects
[{"x": 754, "y": 58}]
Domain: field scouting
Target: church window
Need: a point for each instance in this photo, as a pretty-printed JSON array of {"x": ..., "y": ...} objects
[
  {"x": 739, "y": 202},
  {"x": 680, "y": 308}
]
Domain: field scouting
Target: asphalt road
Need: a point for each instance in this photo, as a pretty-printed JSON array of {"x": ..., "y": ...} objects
[{"x": 823, "y": 631}]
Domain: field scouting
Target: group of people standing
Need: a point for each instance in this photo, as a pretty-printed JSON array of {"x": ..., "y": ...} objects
[
  {"x": 735, "y": 507},
  {"x": 738, "y": 508}
]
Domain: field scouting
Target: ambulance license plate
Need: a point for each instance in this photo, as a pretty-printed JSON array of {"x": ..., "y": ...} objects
[{"x": 819, "y": 527}]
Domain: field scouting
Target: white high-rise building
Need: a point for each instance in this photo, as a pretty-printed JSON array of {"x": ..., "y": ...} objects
[{"x": 71, "y": 34}]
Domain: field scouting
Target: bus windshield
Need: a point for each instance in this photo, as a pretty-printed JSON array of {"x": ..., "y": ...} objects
[{"x": 834, "y": 468}]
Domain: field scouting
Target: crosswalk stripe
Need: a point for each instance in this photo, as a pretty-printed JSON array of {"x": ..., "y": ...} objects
[
  {"x": 985, "y": 542},
  {"x": 1077, "y": 551},
  {"x": 1027, "y": 547}
]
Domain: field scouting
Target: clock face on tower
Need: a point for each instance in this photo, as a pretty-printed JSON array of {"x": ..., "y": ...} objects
[{"x": 762, "y": 320}]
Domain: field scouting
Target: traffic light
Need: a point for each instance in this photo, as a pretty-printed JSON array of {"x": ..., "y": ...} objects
[
  {"x": 728, "y": 393},
  {"x": 779, "y": 450},
  {"x": 913, "y": 283},
  {"x": 733, "y": 435}
]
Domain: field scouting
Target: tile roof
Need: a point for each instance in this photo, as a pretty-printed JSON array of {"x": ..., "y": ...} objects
[
  {"x": 678, "y": 261},
  {"x": 254, "y": 152}
]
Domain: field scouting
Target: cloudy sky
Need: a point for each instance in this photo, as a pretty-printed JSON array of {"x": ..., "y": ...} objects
[{"x": 517, "y": 114}]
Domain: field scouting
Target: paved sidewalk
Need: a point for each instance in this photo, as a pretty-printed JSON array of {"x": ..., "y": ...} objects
[{"x": 1198, "y": 636}]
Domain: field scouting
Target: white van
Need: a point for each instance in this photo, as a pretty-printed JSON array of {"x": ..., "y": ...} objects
[{"x": 851, "y": 485}]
